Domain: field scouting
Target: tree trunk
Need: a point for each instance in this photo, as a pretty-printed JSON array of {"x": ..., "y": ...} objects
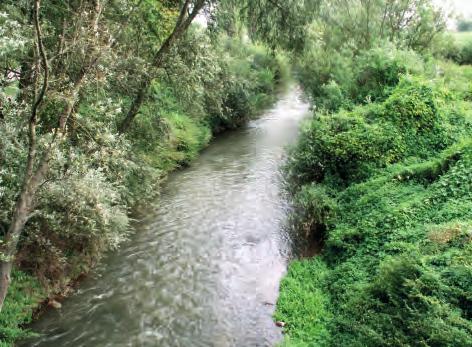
[
  {"x": 19, "y": 219},
  {"x": 135, "y": 106},
  {"x": 146, "y": 82},
  {"x": 5, "y": 273},
  {"x": 34, "y": 180},
  {"x": 181, "y": 26}
]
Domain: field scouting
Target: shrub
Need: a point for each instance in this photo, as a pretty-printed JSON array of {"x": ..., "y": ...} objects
[
  {"x": 380, "y": 69},
  {"x": 459, "y": 50},
  {"x": 389, "y": 184},
  {"x": 314, "y": 209},
  {"x": 25, "y": 293},
  {"x": 342, "y": 79},
  {"x": 350, "y": 146}
]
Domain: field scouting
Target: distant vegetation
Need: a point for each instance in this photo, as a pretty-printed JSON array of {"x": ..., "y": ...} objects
[
  {"x": 464, "y": 25},
  {"x": 459, "y": 48}
]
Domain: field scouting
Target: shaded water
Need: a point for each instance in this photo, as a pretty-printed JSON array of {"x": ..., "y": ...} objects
[{"x": 205, "y": 266}]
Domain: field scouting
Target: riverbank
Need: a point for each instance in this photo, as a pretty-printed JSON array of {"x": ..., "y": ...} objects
[
  {"x": 86, "y": 214},
  {"x": 387, "y": 186},
  {"x": 205, "y": 263}
]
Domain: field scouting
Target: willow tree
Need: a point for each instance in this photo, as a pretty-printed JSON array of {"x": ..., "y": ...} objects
[
  {"x": 275, "y": 22},
  {"x": 411, "y": 24},
  {"x": 52, "y": 78},
  {"x": 188, "y": 11}
]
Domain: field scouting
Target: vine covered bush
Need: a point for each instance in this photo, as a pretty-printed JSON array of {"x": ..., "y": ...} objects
[
  {"x": 386, "y": 188},
  {"x": 350, "y": 146}
]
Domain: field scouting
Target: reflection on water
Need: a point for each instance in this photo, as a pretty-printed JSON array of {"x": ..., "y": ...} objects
[{"x": 204, "y": 268}]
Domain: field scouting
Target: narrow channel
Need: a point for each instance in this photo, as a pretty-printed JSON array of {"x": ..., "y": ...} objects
[{"x": 205, "y": 266}]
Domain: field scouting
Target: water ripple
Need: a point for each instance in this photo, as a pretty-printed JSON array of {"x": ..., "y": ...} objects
[{"x": 204, "y": 265}]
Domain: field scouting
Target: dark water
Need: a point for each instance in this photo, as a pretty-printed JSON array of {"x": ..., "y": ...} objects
[{"x": 205, "y": 266}]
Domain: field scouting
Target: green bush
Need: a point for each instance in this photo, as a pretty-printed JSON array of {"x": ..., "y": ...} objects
[
  {"x": 24, "y": 295},
  {"x": 314, "y": 209},
  {"x": 340, "y": 79},
  {"x": 350, "y": 146},
  {"x": 380, "y": 69},
  {"x": 459, "y": 50},
  {"x": 395, "y": 268},
  {"x": 325, "y": 75}
]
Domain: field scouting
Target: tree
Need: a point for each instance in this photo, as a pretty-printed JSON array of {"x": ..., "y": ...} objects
[
  {"x": 82, "y": 46},
  {"x": 187, "y": 13},
  {"x": 464, "y": 25},
  {"x": 277, "y": 23},
  {"x": 412, "y": 24}
]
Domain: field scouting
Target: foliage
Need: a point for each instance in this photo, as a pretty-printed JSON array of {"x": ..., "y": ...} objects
[
  {"x": 97, "y": 175},
  {"x": 464, "y": 25},
  {"x": 25, "y": 295},
  {"x": 276, "y": 23},
  {"x": 354, "y": 50},
  {"x": 351, "y": 146},
  {"x": 338, "y": 80},
  {"x": 459, "y": 48},
  {"x": 396, "y": 175},
  {"x": 360, "y": 25},
  {"x": 381, "y": 174},
  {"x": 304, "y": 305}
]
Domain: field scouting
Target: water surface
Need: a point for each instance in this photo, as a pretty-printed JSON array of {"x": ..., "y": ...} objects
[{"x": 204, "y": 266}]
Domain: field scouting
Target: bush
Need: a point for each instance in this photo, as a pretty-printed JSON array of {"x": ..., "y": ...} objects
[
  {"x": 326, "y": 76},
  {"x": 314, "y": 209},
  {"x": 341, "y": 80},
  {"x": 380, "y": 69},
  {"x": 465, "y": 54},
  {"x": 459, "y": 50},
  {"x": 396, "y": 260},
  {"x": 24, "y": 295},
  {"x": 350, "y": 146}
]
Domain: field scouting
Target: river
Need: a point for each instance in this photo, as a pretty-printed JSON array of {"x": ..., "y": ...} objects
[{"x": 203, "y": 268}]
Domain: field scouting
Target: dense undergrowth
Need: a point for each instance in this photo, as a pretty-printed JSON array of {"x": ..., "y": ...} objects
[
  {"x": 459, "y": 48},
  {"x": 382, "y": 174},
  {"x": 210, "y": 85}
]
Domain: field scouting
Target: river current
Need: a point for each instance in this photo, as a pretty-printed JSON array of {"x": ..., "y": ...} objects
[{"x": 204, "y": 266}]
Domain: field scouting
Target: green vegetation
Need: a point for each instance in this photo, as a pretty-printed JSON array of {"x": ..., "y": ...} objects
[
  {"x": 464, "y": 25},
  {"x": 382, "y": 177},
  {"x": 389, "y": 186},
  {"x": 463, "y": 37},
  {"x": 25, "y": 293},
  {"x": 100, "y": 100},
  {"x": 128, "y": 94},
  {"x": 459, "y": 48}
]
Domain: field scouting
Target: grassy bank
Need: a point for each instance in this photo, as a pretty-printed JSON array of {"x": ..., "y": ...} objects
[
  {"x": 86, "y": 212},
  {"x": 386, "y": 183}
]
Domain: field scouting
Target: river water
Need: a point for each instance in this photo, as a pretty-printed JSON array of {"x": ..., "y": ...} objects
[{"x": 203, "y": 268}]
